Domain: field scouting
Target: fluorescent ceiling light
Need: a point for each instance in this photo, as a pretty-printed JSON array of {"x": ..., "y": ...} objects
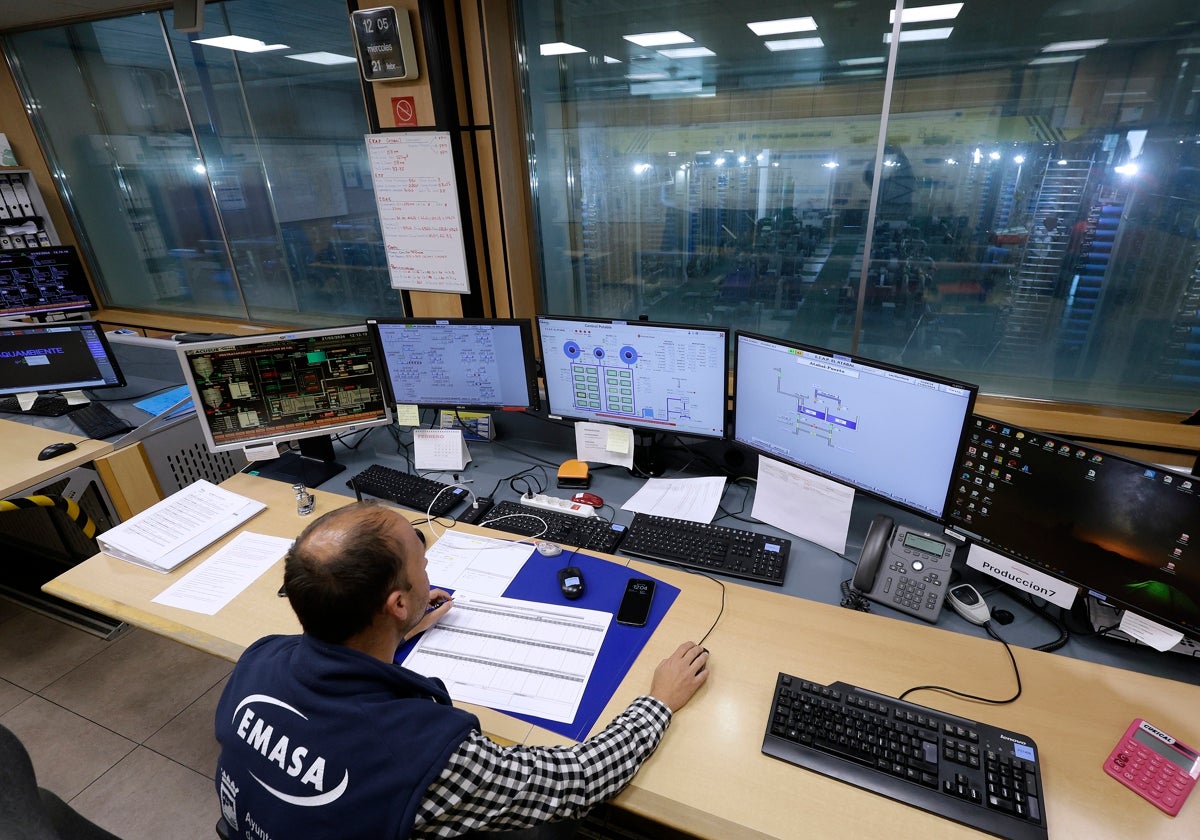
[
  {"x": 920, "y": 35},
  {"x": 1057, "y": 59},
  {"x": 687, "y": 52},
  {"x": 1067, "y": 46},
  {"x": 608, "y": 59},
  {"x": 874, "y": 72},
  {"x": 794, "y": 44},
  {"x": 237, "y": 42},
  {"x": 560, "y": 48},
  {"x": 646, "y": 77},
  {"x": 783, "y": 25},
  {"x": 322, "y": 58},
  {"x": 855, "y": 62},
  {"x": 659, "y": 39},
  {"x": 924, "y": 14}
]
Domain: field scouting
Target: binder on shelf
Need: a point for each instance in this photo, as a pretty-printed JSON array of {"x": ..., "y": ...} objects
[
  {"x": 22, "y": 195},
  {"x": 9, "y": 197},
  {"x": 165, "y": 535}
]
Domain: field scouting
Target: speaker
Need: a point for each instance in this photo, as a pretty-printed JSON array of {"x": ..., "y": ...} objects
[{"x": 188, "y": 16}]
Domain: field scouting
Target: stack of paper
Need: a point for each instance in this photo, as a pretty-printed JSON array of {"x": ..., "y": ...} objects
[{"x": 163, "y": 536}]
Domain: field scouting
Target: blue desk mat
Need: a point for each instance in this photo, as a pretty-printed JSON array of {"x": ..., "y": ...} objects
[{"x": 604, "y": 584}]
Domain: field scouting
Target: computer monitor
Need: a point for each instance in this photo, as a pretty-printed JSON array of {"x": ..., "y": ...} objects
[
  {"x": 43, "y": 281},
  {"x": 308, "y": 385},
  {"x": 655, "y": 377},
  {"x": 1127, "y": 533},
  {"x": 886, "y": 430},
  {"x": 67, "y": 356},
  {"x": 460, "y": 363}
]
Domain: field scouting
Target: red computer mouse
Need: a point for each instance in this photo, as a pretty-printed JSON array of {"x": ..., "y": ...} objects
[{"x": 588, "y": 499}]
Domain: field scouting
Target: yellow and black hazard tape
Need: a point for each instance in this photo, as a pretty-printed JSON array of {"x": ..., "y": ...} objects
[{"x": 67, "y": 506}]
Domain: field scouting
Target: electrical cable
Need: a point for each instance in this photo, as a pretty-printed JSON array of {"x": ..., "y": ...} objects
[{"x": 987, "y": 625}]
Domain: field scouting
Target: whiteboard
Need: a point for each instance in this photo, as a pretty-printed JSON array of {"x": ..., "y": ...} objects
[{"x": 416, "y": 194}]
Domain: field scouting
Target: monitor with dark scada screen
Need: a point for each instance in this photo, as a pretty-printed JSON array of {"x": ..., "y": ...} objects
[
  {"x": 257, "y": 392},
  {"x": 66, "y": 356},
  {"x": 43, "y": 281}
]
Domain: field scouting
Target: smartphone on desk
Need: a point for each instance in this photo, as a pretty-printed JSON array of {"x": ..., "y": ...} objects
[{"x": 635, "y": 603}]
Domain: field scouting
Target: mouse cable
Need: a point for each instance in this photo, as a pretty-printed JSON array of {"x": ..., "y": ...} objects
[
  {"x": 1016, "y": 672},
  {"x": 1064, "y": 633}
]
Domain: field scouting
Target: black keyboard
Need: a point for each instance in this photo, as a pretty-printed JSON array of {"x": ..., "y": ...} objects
[
  {"x": 46, "y": 405},
  {"x": 98, "y": 422},
  {"x": 410, "y": 491},
  {"x": 710, "y": 548},
  {"x": 591, "y": 532},
  {"x": 969, "y": 772}
]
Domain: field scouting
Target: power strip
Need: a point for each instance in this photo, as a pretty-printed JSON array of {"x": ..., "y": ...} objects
[{"x": 541, "y": 500}]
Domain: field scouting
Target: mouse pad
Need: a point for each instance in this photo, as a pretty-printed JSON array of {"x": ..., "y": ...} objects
[{"x": 604, "y": 585}]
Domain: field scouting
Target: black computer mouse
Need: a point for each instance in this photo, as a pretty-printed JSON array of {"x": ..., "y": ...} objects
[
  {"x": 570, "y": 580},
  {"x": 56, "y": 449}
]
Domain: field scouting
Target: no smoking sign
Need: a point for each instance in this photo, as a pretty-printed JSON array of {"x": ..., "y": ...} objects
[{"x": 404, "y": 111}]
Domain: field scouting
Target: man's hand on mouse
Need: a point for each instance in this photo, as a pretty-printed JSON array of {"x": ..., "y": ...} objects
[{"x": 680, "y": 675}]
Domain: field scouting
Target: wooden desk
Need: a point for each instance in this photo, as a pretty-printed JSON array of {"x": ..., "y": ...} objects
[
  {"x": 709, "y": 777},
  {"x": 21, "y": 469}
]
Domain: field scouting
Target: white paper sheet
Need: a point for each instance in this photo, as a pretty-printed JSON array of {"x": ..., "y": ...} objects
[
  {"x": 807, "y": 505},
  {"x": 470, "y": 563},
  {"x": 693, "y": 499},
  {"x": 512, "y": 655},
  {"x": 601, "y": 443},
  {"x": 1149, "y": 632},
  {"x": 222, "y": 577}
]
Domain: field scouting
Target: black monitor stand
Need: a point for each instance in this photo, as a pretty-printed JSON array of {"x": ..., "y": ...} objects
[
  {"x": 648, "y": 456},
  {"x": 313, "y": 465}
]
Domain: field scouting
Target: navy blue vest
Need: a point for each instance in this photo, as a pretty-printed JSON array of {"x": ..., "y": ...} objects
[{"x": 321, "y": 741}]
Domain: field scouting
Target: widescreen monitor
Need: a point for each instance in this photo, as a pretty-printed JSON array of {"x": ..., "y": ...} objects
[
  {"x": 652, "y": 376},
  {"x": 43, "y": 281},
  {"x": 66, "y": 356},
  {"x": 308, "y": 385},
  {"x": 886, "y": 430},
  {"x": 1125, "y": 532},
  {"x": 458, "y": 363}
]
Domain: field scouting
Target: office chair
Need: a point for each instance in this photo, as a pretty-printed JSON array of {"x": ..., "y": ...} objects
[{"x": 35, "y": 813}]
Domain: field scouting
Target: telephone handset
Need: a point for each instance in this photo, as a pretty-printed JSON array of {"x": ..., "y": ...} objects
[{"x": 903, "y": 568}]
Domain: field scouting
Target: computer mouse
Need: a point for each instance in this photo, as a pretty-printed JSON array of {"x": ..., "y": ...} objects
[
  {"x": 56, "y": 449},
  {"x": 570, "y": 581},
  {"x": 548, "y": 549},
  {"x": 588, "y": 499}
]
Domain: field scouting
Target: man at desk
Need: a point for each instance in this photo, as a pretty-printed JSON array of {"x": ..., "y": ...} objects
[{"x": 323, "y": 736}]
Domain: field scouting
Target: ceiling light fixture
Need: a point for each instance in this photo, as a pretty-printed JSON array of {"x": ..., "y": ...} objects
[
  {"x": 659, "y": 39},
  {"x": 794, "y": 44},
  {"x": 855, "y": 62},
  {"x": 939, "y": 34},
  {"x": 1067, "y": 46},
  {"x": 783, "y": 26},
  {"x": 687, "y": 52},
  {"x": 239, "y": 44},
  {"x": 326, "y": 58},
  {"x": 1057, "y": 59},
  {"x": 924, "y": 14},
  {"x": 560, "y": 48}
]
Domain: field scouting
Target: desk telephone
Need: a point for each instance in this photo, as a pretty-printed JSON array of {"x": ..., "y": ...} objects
[{"x": 903, "y": 568}]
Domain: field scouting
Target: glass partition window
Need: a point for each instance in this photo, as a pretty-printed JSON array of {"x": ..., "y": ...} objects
[
  {"x": 215, "y": 177},
  {"x": 1030, "y": 220}
]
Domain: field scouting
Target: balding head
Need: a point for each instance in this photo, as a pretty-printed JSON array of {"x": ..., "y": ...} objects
[{"x": 342, "y": 568}]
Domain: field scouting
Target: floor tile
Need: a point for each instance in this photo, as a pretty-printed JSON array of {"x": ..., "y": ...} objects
[
  {"x": 188, "y": 738},
  {"x": 36, "y": 650},
  {"x": 11, "y": 695},
  {"x": 68, "y": 752},
  {"x": 138, "y": 684},
  {"x": 9, "y": 610},
  {"x": 149, "y": 797}
]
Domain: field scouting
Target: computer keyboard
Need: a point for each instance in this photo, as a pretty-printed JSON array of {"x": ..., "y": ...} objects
[
  {"x": 46, "y": 405},
  {"x": 591, "y": 533},
  {"x": 410, "y": 491},
  {"x": 969, "y": 772},
  {"x": 711, "y": 548},
  {"x": 98, "y": 422}
]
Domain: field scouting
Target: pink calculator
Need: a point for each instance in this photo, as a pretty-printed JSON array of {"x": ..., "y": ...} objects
[{"x": 1154, "y": 765}]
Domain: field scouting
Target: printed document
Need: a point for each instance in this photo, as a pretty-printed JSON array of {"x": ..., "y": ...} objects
[
  {"x": 483, "y": 565},
  {"x": 693, "y": 499},
  {"x": 222, "y": 577},
  {"x": 514, "y": 656},
  {"x": 804, "y": 504},
  {"x": 163, "y": 536}
]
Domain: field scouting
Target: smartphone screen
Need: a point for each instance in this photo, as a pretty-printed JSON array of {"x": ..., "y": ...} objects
[{"x": 635, "y": 604}]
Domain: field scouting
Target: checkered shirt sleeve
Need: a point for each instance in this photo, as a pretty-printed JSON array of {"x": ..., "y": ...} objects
[{"x": 485, "y": 785}]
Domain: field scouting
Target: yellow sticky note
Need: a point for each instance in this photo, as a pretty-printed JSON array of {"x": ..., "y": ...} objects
[
  {"x": 408, "y": 415},
  {"x": 618, "y": 440}
]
